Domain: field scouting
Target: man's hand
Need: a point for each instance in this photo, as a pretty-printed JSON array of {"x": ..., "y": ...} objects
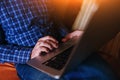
[
  {"x": 76, "y": 33},
  {"x": 44, "y": 44}
]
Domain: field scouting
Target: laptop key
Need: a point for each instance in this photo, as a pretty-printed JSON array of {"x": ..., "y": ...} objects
[{"x": 59, "y": 60}]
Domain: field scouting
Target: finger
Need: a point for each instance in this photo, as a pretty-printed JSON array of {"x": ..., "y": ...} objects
[
  {"x": 47, "y": 45},
  {"x": 53, "y": 44},
  {"x": 44, "y": 44},
  {"x": 48, "y": 38},
  {"x": 65, "y": 39},
  {"x": 43, "y": 49}
]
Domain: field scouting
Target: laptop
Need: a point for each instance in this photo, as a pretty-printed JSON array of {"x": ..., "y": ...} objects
[{"x": 103, "y": 26}]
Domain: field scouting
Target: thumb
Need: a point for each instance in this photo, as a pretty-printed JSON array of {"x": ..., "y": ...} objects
[{"x": 65, "y": 39}]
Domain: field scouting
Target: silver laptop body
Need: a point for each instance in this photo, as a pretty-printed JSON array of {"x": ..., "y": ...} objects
[{"x": 103, "y": 26}]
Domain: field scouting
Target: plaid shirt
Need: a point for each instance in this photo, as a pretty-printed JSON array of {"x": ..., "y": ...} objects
[{"x": 24, "y": 22}]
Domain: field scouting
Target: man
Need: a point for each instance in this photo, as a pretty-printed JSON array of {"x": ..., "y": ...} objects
[{"x": 29, "y": 31}]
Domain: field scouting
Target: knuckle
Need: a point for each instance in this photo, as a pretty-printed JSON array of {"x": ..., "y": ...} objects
[
  {"x": 46, "y": 50},
  {"x": 48, "y": 36},
  {"x": 39, "y": 39},
  {"x": 41, "y": 47},
  {"x": 42, "y": 43}
]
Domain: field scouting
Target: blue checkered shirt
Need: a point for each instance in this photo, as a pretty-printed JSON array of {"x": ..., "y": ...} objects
[{"x": 23, "y": 23}]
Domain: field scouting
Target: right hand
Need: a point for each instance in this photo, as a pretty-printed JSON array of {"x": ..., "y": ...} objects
[{"x": 44, "y": 44}]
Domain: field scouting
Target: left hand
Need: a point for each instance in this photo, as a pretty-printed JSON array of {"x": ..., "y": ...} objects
[{"x": 76, "y": 33}]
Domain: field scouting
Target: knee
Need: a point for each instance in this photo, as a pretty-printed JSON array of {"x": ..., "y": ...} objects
[{"x": 27, "y": 72}]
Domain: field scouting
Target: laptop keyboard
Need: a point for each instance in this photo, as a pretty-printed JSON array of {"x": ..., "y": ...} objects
[{"x": 59, "y": 60}]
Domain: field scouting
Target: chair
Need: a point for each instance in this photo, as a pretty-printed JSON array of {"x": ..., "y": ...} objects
[{"x": 8, "y": 72}]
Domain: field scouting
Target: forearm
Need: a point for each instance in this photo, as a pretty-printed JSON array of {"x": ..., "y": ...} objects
[{"x": 14, "y": 54}]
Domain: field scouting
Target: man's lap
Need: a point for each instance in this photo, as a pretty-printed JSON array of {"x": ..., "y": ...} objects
[{"x": 93, "y": 68}]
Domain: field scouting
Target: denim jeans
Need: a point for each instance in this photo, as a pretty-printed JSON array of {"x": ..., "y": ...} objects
[{"x": 93, "y": 68}]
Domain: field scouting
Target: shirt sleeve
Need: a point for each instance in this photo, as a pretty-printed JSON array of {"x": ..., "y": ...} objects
[
  {"x": 12, "y": 53},
  {"x": 63, "y": 30}
]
